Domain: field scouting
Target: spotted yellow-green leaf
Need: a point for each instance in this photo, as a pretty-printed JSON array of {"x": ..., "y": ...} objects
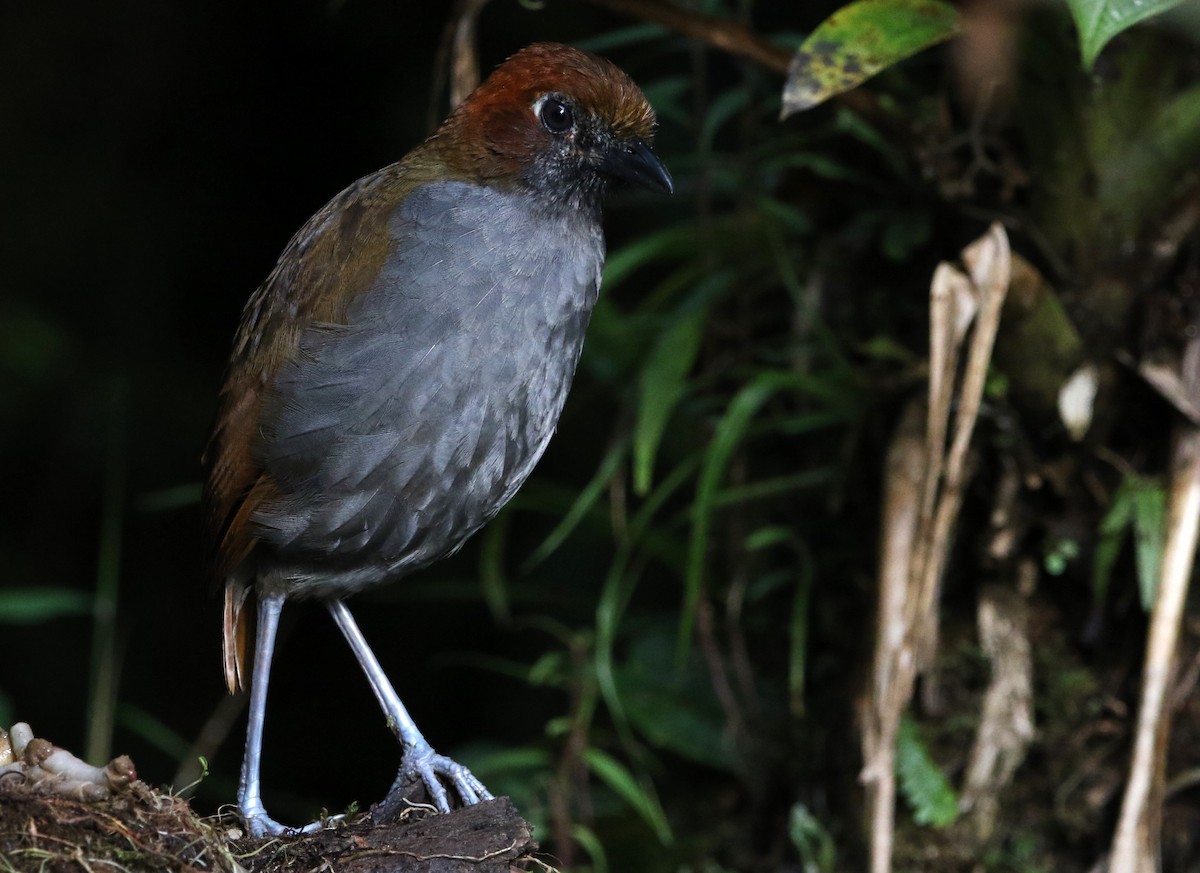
[
  {"x": 1098, "y": 21},
  {"x": 858, "y": 41}
]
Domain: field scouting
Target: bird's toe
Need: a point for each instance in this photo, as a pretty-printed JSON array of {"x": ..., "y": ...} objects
[
  {"x": 259, "y": 824},
  {"x": 436, "y": 772}
]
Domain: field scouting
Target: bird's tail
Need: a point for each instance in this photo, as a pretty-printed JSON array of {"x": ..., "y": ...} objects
[{"x": 233, "y": 636}]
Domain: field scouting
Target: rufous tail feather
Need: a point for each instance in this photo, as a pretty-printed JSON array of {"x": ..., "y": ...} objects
[{"x": 233, "y": 636}]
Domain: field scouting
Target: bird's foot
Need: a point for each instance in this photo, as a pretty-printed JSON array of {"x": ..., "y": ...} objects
[
  {"x": 259, "y": 824},
  {"x": 422, "y": 764}
]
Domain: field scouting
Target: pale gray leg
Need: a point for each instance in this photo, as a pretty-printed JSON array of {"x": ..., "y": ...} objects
[
  {"x": 249, "y": 792},
  {"x": 419, "y": 758}
]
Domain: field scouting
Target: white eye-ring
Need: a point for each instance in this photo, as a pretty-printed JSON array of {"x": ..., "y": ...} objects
[{"x": 554, "y": 113}]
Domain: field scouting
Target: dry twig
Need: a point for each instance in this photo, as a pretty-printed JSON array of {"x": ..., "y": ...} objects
[
  {"x": 1136, "y": 843},
  {"x": 925, "y": 481},
  {"x": 1006, "y": 723}
]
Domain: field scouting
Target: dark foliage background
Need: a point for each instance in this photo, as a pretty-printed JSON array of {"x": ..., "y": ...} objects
[{"x": 155, "y": 158}]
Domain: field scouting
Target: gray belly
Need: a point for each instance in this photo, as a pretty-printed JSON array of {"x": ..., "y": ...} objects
[{"x": 398, "y": 435}]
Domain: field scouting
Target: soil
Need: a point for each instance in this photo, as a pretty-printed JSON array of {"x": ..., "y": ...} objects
[{"x": 143, "y": 829}]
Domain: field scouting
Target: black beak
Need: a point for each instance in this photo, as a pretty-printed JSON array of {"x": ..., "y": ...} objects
[{"x": 633, "y": 161}]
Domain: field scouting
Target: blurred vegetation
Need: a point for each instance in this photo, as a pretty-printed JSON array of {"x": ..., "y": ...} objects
[{"x": 658, "y": 648}]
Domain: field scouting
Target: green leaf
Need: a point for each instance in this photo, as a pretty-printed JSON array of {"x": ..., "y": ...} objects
[
  {"x": 1149, "y": 537},
  {"x": 1137, "y": 180},
  {"x": 518, "y": 759},
  {"x": 1098, "y": 21},
  {"x": 812, "y": 840},
  {"x": 1110, "y": 535},
  {"x": 780, "y": 535},
  {"x": 673, "y": 707},
  {"x": 766, "y": 537},
  {"x": 722, "y": 108},
  {"x": 616, "y": 776},
  {"x": 922, "y": 782},
  {"x": 728, "y": 435},
  {"x": 619, "y": 585},
  {"x": 885, "y": 348},
  {"x": 622, "y": 37},
  {"x": 667, "y": 96},
  {"x": 821, "y": 166},
  {"x": 587, "y": 838},
  {"x": 153, "y": 730},
  {"x": 678, "y": 241},
  {"x": 493, "y": 581},
  {"x": 175, "y": 497},
  {"x": 793, "y": 218},
  {"x": 662, "y": 383},
  {"x": 776, "y": 485},
  {"x": 798, "y": 640},
  {"x": 904, "y": 232},
  {"x": 1138, "y": 505},
  {"x": 33, "y": 605},
  {"x": 858, "y": 41},
  {"x": 579, "y": 509},
  {"x": 521, "y": 773},
  {"x": 549, "y": 669}
]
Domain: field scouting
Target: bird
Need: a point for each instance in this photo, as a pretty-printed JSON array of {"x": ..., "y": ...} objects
[{"x": 401, "y": 370}]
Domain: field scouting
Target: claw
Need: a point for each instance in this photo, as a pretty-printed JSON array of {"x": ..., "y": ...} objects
[{"x": 422, "y": 762}]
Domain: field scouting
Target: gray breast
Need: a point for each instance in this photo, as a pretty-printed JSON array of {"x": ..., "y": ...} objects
[{"x": 398, "y": 435}]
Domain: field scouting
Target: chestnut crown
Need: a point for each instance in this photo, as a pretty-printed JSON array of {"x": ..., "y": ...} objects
[{"x": 558, "y": 121}]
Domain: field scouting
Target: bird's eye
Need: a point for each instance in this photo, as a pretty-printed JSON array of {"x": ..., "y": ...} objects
[{"x": 556, "y": 116}]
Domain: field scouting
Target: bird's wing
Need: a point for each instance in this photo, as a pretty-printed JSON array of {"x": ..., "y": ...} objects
[{"x": 334, "y": 257}]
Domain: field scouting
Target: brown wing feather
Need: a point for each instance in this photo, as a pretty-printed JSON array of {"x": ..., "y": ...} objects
[{"x": 334, "y": 257}]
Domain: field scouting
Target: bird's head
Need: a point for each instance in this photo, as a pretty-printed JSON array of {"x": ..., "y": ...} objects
[{"x": 557, "y": 121}]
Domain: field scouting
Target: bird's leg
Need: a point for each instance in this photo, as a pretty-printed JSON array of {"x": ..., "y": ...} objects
[
  {"x": 249, "y": 793},
  {"x": 419, "y": 759}
]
